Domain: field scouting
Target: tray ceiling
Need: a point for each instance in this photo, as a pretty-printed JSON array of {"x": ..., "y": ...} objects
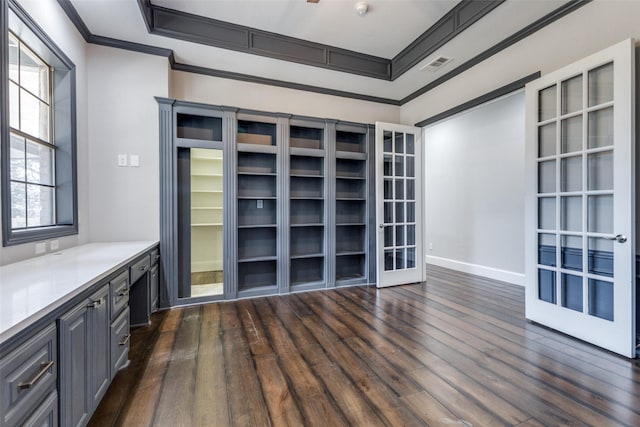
[{"x": 382, "y": 34}]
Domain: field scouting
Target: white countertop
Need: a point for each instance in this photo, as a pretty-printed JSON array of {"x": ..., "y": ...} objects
[{"x": 31, "y": 289}]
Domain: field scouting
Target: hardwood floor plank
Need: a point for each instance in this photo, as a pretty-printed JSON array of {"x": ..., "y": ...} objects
[
  {"x": 179, "y": 379},
  {"x": 210, "y": 405},
  {"x": 283, "y": 410}
]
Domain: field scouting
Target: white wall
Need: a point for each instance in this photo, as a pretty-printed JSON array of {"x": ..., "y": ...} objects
[
  {"x": 217, "y": 91},
  {"x": 123, "y": 119},
  {"x": 590, "y": 29},
  {"x": 474, "y": 186},
  {"x": 51, "y": 18}
]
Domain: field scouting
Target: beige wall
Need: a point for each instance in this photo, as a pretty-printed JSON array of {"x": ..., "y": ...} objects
[
  {"x": 217, "y": 91},
  {"x": 123, "y": 119},
  {"x": 51, "y": 18}
]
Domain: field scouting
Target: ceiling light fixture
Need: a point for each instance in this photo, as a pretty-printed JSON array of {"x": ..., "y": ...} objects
[{"x": 362, "y": 8}]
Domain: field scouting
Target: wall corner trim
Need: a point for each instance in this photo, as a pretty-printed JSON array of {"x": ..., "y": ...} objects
[{"x": 497, "y": 93}]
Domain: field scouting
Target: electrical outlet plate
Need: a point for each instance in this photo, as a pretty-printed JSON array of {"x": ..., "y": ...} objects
[
  {"x": 122, "y": 160},
  {"x": 260, "y": 204},
  {"x": 54, "y": 245},
  {"x": 41, "y": 248},
  {"x": 134, "y": 160}
]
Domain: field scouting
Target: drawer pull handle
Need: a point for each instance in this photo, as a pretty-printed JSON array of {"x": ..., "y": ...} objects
[
  {"x": 44, "y": 368},
  {"x": 123, "y": 293},
  {"x": 125, "y": 340},
  {"x": 143, "y": 268},
  {"x": 95, "y": 304}
]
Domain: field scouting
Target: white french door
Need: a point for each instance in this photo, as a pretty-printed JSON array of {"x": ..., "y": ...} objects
[
  {"x": 399, "y": 204},
  {"x": 580, "y": 249}
]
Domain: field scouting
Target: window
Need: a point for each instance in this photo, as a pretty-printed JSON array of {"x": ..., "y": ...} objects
[{"x": 38, "y": 134}]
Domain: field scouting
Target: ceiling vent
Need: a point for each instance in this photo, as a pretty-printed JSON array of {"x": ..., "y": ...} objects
[{"x": 436, "y": 64}]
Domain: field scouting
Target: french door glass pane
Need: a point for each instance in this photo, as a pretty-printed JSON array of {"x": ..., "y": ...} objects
[
  {"x": 388, "y": 236},
  {"x": 601, "y": 299},
  {"x": 572, "y": 95},
  {"x": 411, "y": 257},
  {"x": 601, "y": 128},
  {"x": 387, "y": 142},
  {"x": 547, "y": 249},
  {"x": 399, "y": 163},
  {"x": 601, "y": 85},
  {"x": 547, "y": 140},
  {"x": 411, "y": 170},
  {"x": 547, "y": 213},
  {"x": 547, "y": 103},
  {"x": 411, "y": 235},
  {"x": 601, "y": 256},
  {"x": 388, "y": 189},
  {"x": 399, "y": 189},
  {"x": 399, "y": 212},
  {"x": 600, "y": 214},
  {"x": 571, "y": 179},
  {"x": 410, "y": 143},
  {"x": 388, "y": 165},
  {"x": 600, "y": 171},
  {"x": 399, "y": 235},
  {"x": 571, "y": 134},
  {"x": 547, "y": 177},
  {"x": 388, "y": 260},
  {"x": 572, "y": 292},
  {"x": 571, "y": 213},
  {"x": 399, "y": 137},
  {"x": 547, "y": 285},
  {"x": 400, "y": 258},
  {"x": 571, "y": 255},
  {"x": 411, "y": 212},
  {"x": 388, "y": 212}
]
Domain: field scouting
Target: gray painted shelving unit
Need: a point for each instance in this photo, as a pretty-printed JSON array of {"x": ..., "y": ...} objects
[{"x": 298, "y": 199}]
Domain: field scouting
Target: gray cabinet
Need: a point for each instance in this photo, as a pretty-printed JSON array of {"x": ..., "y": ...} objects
[
  {"x": 298, "y": 199},
  {"x": 28, "y": 386},
  {"x": 120, "y": 336},
  {"x": 85, "y": 340}
]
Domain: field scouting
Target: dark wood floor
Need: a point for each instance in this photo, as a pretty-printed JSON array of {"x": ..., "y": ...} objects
[{"x": 453, "y": 351}]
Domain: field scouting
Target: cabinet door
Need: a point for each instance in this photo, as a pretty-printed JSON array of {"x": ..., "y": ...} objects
[
  {"x": 99, "y": 345},
  {"x": 73, "y": 328}
]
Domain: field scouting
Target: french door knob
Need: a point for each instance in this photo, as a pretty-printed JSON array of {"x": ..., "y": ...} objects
[{"x": 620, "y": 238}]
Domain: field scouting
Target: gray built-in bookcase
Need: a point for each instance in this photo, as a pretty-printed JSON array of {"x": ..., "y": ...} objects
[{"x": 298, "y": 199}]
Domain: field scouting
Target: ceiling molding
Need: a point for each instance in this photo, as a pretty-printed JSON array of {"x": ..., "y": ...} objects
[
  {"x": 280, "y": 83},
  {"x": 458, "y": 19},
  {"x": 490, "y": 96},
  {"x": 212, "y": 32},
  {"x": 556, "y": 14}
]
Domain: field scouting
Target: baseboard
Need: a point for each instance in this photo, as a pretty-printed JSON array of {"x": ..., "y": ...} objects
[
  {"x": 479, "y": 270},
  {"x": 200, "y": 266}
]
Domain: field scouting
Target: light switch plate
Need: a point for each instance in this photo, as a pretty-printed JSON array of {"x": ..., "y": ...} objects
[
  {"x": 134, "y": 160},
  {"x": 122, "y": 160},
  {"x": 260, "y": 204}
]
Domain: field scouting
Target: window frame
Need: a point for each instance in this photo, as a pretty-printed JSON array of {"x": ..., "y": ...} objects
[{"x": 63, "y": 110}]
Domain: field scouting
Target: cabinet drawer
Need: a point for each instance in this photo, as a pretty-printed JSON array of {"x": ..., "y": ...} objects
[
  {"x": 155, "y": 256},
  {"x": 28, "y": 374},
  {"x": 120, "y": 336},
  {"x": 119, "y": 292},
  {"x": 46, "y": 414},
  {"x": 139, "y": 268}
]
